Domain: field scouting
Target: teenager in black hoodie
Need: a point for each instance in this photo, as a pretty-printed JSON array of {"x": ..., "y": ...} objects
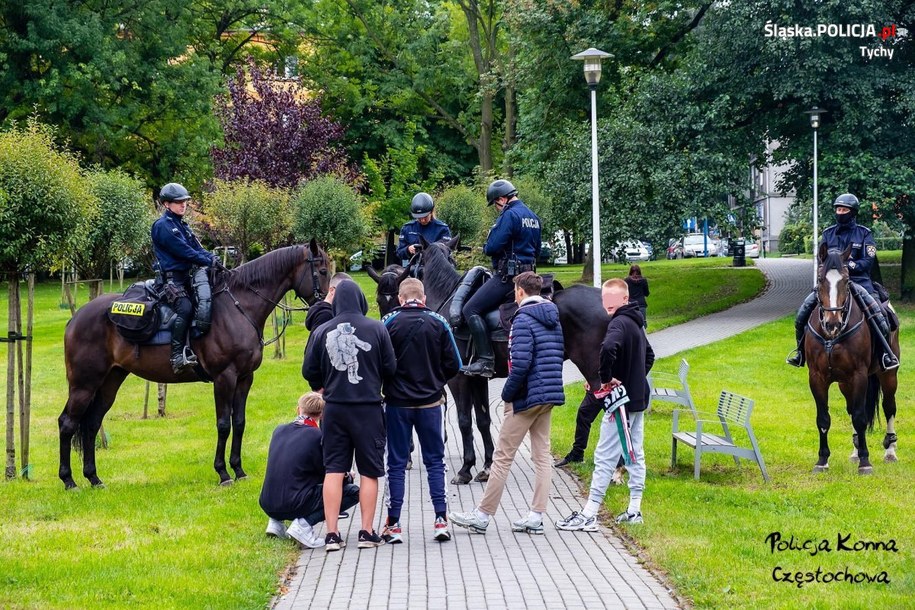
[
  {"x": 626, "y": 358},
  {"x": 323, "y": 311},
  {"x": 350, "y": 357}
]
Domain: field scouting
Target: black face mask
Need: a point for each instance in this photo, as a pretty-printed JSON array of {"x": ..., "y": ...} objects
[{"x": 844, "y": 219}]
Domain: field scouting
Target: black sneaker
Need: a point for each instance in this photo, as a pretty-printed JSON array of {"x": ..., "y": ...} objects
[
  {"x": 566, "y": 461},
  {"x": 369, "y": 540},
  {"x": 333, "y": 542}
]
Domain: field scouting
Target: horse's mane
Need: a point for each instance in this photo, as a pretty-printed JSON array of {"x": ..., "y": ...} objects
[
  {"x": 438, "y": 273},
  {"x": 267, "y": 269}
]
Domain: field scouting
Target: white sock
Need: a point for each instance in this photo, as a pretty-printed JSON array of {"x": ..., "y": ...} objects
[
  {"x": 481, "y": 515},
  {"x": 591, "y": 509},
  {"x": 635, "y": 505},
  {"x": 535, "y": 516}
]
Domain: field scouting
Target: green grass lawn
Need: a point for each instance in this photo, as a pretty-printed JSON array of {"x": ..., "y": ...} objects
[
  {"x": 163, "y": 533},
  {"x": 709, "y": 536}
]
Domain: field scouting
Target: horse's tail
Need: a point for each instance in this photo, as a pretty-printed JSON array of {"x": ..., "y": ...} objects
[
  {"x": 870, "y": 402},
  {"x": 82, "y": 435}
]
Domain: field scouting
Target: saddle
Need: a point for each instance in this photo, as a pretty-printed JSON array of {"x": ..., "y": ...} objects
[
  {"x": 144, "y": 317},
  {"x": 498, "y": 321}
]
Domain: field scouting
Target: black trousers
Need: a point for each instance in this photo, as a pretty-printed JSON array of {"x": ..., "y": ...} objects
[
  {"x": 588, "y": 411},
  {"x": 488, "y": 297}
]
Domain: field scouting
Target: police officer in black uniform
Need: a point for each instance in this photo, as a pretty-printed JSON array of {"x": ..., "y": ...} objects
[
  {"x": 514, "y": 245},
  {"x": 839, "y": 236},
  {"x": 178, "y": 250},
  {"x": 424, "y": 225}
]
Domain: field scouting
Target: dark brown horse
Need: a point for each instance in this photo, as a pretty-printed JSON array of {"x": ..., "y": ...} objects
[
  {"x": 584, "y": 324},
  {"x": 98, "y": 359},
  {"x": 839, "y": 350}
]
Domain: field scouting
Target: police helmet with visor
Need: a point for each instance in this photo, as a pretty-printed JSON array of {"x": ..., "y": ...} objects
[
  {"x": 421, "y": 206},
  {"x": 500, "y": 188}
]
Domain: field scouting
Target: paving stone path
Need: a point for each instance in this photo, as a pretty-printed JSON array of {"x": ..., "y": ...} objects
[{"x": 503, "y": 569}]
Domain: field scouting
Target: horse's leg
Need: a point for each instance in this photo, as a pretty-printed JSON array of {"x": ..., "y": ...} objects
[
  {"x": 855, "y": 392},
  {"x": 479, "y": 390},
  {"x": 820, "y": 391},
  {"x": 460, "y": 390},
  {"x": 223, "y": 393},
  {"x": 888, "y": 384},
  {"x": 238, "y": 423},
  {"x": 92, "y": 420},
  {"x": 69, "y": 424}
]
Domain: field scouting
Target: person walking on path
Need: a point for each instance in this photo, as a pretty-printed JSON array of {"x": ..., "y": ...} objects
[
  {"x": 638, "y": 290},
  {"x": 427, "y": 357},
  {"x": 293, "y": 481},
  {"x": 349, "y": 358},
  {"x": 626, "y": 358},
  {"x": 532, "y": 389}
]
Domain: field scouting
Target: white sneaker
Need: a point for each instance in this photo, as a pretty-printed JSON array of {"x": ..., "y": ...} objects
[
  {"x": 277, "y": 529},
  {"x": 577, "y": 522},
  {"x": 470, "y": 521},
  {"x": 305, "y": 534},
  {"x": 440, "y": 531},
  {"x": 628, "y": 517},
  {"x": 528, "y": 525}
]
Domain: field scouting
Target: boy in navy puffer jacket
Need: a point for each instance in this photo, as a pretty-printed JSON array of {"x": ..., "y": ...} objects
[{"x": 533, "y": 388}]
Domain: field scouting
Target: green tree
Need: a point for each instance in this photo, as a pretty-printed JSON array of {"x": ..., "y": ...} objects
[
  {"x": 328, "y": 210},
  {"x": 248, "y": 214},
  {"x": 464, "y": 211},
  {"x": 118, "y": 228}
]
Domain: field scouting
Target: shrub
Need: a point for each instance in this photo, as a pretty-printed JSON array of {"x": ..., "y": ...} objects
[
  {"x": 246, "y": 214},
  {"x": 331, "y": 212}
]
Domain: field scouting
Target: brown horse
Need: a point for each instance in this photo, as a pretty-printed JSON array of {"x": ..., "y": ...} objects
[
  {"x": 839, "y": 349},
  {"x": 98, "y": 359}
]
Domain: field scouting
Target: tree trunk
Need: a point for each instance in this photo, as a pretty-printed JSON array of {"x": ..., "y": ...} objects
[
  {"x": 146, "y": 402},
  {"x": 162, "y": 391},
  {"x": 486, "y": 121},
  {"x": 907, "y": 272},
  {"x": 570, "y": 254},
  {"x": 390, "y": 249},
  {"x": 25, "y": 381},
  {"x": 13, "y": 291},
  {"x": 587, "y": 271}
]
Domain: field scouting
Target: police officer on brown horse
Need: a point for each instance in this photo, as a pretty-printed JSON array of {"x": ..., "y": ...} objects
[
  {"x": 178, "y": 250},
  {"x": 514, "y": 245},
  {"x": 847, "y": 232}
]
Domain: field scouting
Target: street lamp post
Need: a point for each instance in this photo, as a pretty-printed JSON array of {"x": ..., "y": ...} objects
[
  {"x": 814, "y": 114},
  {"x": 592, "y": 58}
]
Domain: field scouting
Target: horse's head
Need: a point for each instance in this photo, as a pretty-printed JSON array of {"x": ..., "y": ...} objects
[
  {"x": 440, "y": 250},
  {"x": 388, "y": 285},
  {"x": 312, "y": 278},
  {"x": 832, "y": 290}
]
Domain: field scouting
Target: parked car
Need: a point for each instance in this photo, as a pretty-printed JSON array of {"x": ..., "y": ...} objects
[
  {"x": 649, "y": 248},
  {"x": 696, "y": 244},
  {"x": 634, "y": 251}
]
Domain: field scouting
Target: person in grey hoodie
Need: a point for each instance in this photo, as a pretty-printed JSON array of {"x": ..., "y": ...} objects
[
  {"x": 533, "y": 388},
  {"x": 349, "y": 358}
]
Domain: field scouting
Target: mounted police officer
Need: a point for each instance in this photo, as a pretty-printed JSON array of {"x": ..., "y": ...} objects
[
  {"x": 424, "y": 225},
  {"x": 178, "y": 250},
  {"x": 514, "y": 245},
  {"x": 847, "y": 232}
]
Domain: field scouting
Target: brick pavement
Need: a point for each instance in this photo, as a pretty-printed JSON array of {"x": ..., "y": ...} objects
[{"x": 503, "y": 569}]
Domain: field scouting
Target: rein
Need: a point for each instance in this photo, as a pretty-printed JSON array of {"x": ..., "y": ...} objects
[
  {"x": 286, "y": 309},
  {"x": 844, "y": 331}
]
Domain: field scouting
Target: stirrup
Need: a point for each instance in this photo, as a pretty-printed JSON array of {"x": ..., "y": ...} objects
[
  {"x": 185, "y": 360},
  {"x": 889, "y": 362},
  {"x": 795, "y": 358}
]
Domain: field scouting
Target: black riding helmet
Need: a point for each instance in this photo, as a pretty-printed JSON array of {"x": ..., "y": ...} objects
[
  {"x": 173, "y": 192},
  {"x": 500, "y": 188},
  {"x": 847, "y": 201},
  {"x": 421, "y": 206}
]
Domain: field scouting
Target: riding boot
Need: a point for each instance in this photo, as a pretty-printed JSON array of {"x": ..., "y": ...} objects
[
  {"x": 484, "y": 366},
  {"x": 797, "y": 357},
  {"x": 880, "y": 330},
  {"x": 182, "y": 357}
]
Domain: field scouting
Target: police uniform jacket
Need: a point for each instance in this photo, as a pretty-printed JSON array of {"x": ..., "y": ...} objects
[
  {"x": 863, "y": 250},
  {"x": 516, "y": 232},
  {"x": 413, "y": 230},
  {"x": 176, "y": 247}
]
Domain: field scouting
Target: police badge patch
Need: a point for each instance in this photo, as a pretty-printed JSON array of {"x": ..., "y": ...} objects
[{"x": 872, "y": 250}]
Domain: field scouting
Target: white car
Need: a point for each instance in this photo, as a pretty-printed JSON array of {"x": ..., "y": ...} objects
[
  {"x": 634, "y": 249},
  {"x": 695, "y": 244}
]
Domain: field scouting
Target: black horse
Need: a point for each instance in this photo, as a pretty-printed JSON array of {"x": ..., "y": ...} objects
[
  {"x": 388, "y": 284},
  {"x": 98, "y": 359},
  {"x": 839, "y": 350},
  {"x": 584, "y": 324}
]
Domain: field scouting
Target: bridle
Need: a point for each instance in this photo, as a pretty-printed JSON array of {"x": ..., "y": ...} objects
[
  {"x": 315, "y": 284},
  {"x": 843, "y": 332}
]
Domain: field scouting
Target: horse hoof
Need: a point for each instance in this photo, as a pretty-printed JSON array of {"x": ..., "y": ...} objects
[
  {"x": 243, "y": 477},
  {"x": 482, "y": 476},
  {"x": 98, "y": 485},
  {"x": 890, "y": 457},
  {"x": 820, "y": 468},
  {"x": 226, "y": 482},
  {"x": 461, "y": 478},
  {"x": 71, "y": 487},
  {"x": 865, "y": 470},
  {"x": 853, "y": 458}
]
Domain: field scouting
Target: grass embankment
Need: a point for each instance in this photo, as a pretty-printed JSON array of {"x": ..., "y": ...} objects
[
  {"x": 162, "y": 533},
  {"x": 709, "y": 536}
]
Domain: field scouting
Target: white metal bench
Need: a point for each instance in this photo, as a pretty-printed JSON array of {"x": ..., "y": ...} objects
[
  {"x": 667, "y": 387},
  {"x": 732, "y": 410}
]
